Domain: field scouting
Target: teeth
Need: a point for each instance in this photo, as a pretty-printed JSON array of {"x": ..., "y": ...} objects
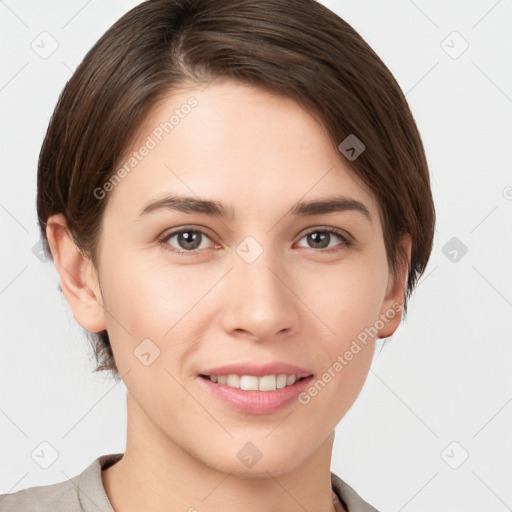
[
  {"x": 249, "y": 382},
  {"x": 253, "y": 383},
  {"x": 267, "y": 383},
  {"x": 233, "y": 381},
  {"x": 281, "y": 381}
]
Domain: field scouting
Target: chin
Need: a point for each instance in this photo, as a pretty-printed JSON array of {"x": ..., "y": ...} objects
[{"x": 259, "y": 458}]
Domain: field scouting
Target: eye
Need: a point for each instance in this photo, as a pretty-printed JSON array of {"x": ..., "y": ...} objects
[
  {"x": 187, "y": 239},
  {"x": 320, "y": 238}
]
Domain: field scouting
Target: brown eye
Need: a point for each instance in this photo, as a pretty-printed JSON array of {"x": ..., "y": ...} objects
[
  {"x": 322, "y": 239},
  {"x": 319, "y": 239},
  {"x": 186, "y": 240}
]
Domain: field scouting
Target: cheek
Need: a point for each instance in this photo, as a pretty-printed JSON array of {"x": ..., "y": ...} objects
[
  {"x": 348, "y": 305},
  {"x": 149, "y": 295},
  {"x": 346, "y": 298},
  {"x": 151, "y": 302},
  {"x": 146, "y": 299}
]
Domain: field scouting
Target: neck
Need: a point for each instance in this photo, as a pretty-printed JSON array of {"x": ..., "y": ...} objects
[{"x": 158, "y": 474}]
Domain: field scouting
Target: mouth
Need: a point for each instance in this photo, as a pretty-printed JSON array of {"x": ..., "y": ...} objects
[
  {"x": 270, "y": 382},
  {"x": 255, "y": 388},
  {"x": 256, "y": 394}
]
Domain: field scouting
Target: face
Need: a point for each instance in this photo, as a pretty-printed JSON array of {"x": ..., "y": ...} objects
[{"x": 280, "y": 289}]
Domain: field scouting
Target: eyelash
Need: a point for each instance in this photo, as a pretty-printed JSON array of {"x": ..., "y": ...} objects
[{"x": 346, "y": 242}]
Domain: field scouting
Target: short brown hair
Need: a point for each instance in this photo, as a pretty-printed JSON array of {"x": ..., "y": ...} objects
[{"x": 296, "y": 48}]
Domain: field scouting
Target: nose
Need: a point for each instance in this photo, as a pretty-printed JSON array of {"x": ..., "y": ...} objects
[{"x": 260, "y": 302}]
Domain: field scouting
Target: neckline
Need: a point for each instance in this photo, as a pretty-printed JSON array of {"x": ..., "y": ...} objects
[{"x": 91, "y": 484}]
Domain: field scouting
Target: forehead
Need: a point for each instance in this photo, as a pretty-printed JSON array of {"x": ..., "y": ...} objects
[{"x": 238, "y": 144}]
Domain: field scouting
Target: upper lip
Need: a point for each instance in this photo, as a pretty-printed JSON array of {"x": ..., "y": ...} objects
[{"x": 259, "y": 370}]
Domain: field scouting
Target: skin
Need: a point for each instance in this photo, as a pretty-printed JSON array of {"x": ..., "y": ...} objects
[{"x": 259, "y": 154}]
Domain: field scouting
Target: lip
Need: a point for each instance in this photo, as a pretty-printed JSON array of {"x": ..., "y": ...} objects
[
  {"x": 259, "y": 370},
  {"x": 255, "y": 402}
]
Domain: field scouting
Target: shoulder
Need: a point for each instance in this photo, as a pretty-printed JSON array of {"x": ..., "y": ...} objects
[
  {"x": 59, "y": 496},
  {"x": 78, "y": 494},
  {"x": 349, "y": 497}
]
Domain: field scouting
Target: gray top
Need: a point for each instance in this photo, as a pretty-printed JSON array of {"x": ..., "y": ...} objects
[{"x": 85, "y": 493}]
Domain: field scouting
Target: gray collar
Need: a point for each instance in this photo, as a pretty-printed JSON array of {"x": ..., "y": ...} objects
[{"x": 93, "y": 497}]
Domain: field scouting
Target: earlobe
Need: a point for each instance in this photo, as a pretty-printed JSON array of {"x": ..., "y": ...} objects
[
  {"x": 78, "y": 278},
  {"x": 392, "y": 307}
]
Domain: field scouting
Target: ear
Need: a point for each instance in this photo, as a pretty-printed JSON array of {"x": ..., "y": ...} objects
[
  {"x": 392, "y": 307},
  {"x": 78, "y": 277}
]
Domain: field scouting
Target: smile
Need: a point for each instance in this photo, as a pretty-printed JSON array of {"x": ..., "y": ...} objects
[{"x": 254, "y": 383}]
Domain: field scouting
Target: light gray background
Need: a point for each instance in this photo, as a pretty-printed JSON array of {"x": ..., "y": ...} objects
[{"x": 440, "y": 389}]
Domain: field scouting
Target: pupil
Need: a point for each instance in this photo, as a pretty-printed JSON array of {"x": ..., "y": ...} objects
[
  {"x": 188, "y": 238},
  {"x": 322, "y": 236}
]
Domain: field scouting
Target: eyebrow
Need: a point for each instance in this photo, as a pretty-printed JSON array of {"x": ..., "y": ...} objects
[{"x": 217, "y": 209}]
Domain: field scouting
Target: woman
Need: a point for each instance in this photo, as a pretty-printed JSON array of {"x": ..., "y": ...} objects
[{"x": 237, "y": 201}]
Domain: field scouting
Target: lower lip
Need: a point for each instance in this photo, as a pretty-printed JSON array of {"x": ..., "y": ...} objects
[{"x": 257, "y": 402}]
